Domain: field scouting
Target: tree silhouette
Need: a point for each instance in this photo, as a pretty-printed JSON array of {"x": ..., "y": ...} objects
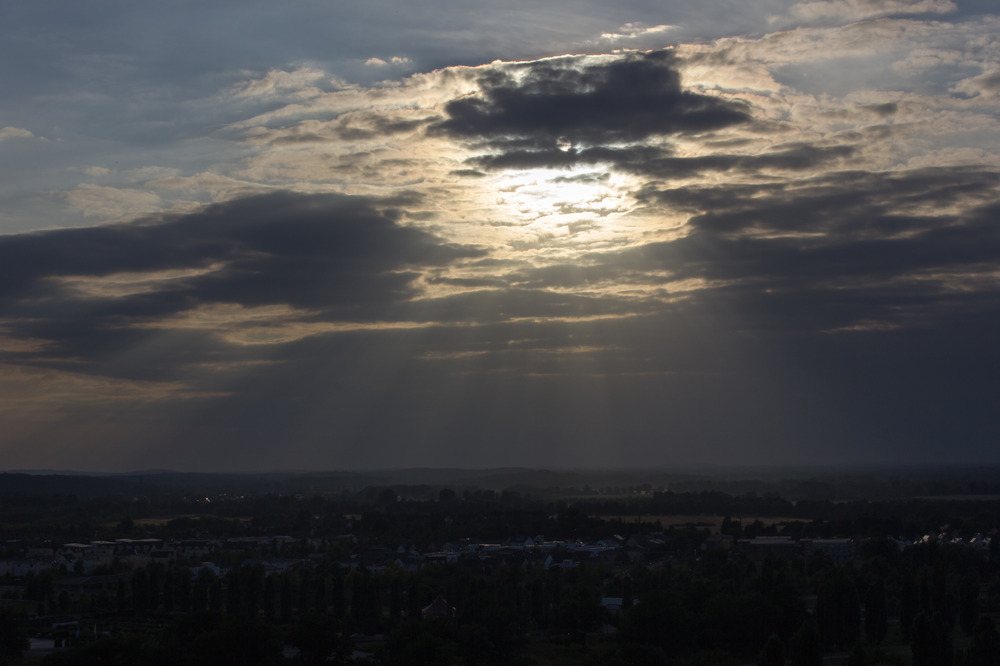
[
  {"x": 968, "y": 604},
  {"x": 985, "y": 648},
  {"x": 773, "y": 652},
  {"x": 804, "y": 648},
  {"x": 876, "y": 614},
  {"x": 930, "y": 643},
  {"x": 13, "y": 637},
  {"x": 838, "y": 610}
]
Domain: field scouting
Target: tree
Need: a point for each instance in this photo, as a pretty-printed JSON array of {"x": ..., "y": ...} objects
[
  {"x": 118, "y": 651},
  {"x": 235, "y": 597},
  {"x": 876, "y": 613},
  {"x": 270, "y": 598},
  {"x": 638, "y": 655},
  {"x": 254, "y": 582},
  {"x": 169, "y": 588},
  {"x": 121, "y": 603},
  {"x": 805, "y": 648},
  {"x": 13, "y": 637},
  {"x": 318, "y": 638},
  {"x": 38, "y": 587},
  {"x": 773, "y": 652},
  {"x": 417, "y": 642},
  {"x": 305, "y": 592},
  {"x": 156, "y": 574},
  {"x": 126, "y": 526},
  {"x": 968, "y": 604},
  {"x": 578, "y": 611},
  {"x": 322, "y": 601},
  {"x": 338, "y": 605},
  {"x": 730, "y": 527},
  {"x": 395, "y": 600},
  {"x": 985, "y": 648},
  {"x": 838, "y": 610},
  {"x": 215, "y": 595},
  {"x": 285, "y": 597},
  {"x": 908, "y": 605},
  {"x": 182, "y": 589},
  {"x": 930, "y": 643},
  {"x": 202, "y": 587},
  {"x": 208, "y": 639},
  {"x": 858, "y": 656},
  {"x": 140, "y": 592}
]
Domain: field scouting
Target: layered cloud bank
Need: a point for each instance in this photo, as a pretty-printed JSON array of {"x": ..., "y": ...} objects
[{"x": 769, "y": 248}]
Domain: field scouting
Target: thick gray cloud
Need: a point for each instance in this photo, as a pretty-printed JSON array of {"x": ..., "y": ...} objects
[
  {"x": 333, "y": 256},
  {"x": 848, "y": 249},
  {"x": 627, "y": 99},
  {"x": 658, "y": 163},
  {"x": 308, "y": 250}
]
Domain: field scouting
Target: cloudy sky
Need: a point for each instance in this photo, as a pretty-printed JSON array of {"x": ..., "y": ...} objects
[{"x": 330, "y": 235}]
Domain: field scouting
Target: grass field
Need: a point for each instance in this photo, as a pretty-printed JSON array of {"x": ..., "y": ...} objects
[{"x": 711, "y": 522}]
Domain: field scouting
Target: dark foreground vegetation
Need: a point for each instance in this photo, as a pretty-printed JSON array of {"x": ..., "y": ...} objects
[{"x": 430, "y": 573}]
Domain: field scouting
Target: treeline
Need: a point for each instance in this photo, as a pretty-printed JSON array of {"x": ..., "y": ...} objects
[
  {"x": 387, "y": 515},
  {"x": 486, "y": 619},
  {"x": 835, "y": 484},
  {"x": 932, "y": 600},
  {"x": 471, "y": 513},
  {"x": 900, "y": 518}
]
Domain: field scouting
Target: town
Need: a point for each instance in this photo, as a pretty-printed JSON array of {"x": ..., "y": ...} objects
[{"x": 426, "y": 574}]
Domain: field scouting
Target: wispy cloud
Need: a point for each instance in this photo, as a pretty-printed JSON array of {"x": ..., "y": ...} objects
[
  {"x": 855, "y": 10},
  {"x": 299, "y": 83},
  {"x": 394, "y": 61},
  {"x": 635, "y": 30},
  {"x": 8, "y": 133}
]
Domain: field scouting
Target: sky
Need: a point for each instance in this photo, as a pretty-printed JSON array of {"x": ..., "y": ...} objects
[{"x": 315, "y": 235}]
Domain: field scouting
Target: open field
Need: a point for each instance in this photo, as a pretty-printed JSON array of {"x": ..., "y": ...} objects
[
  {"x": 711, "y": 522},
  {"x": 153, "y": 521}
]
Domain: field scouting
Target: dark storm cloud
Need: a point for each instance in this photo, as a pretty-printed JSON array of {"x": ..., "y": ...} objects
[
  {"x": 655, "y": 162},
  {"x": 629, "y": 98},
  {"x": 308, "y": 250},
  {"x": 881, "y": 110},
  {"x": 835, "y": 205},
  {"x": 337, "y": 256},
  {"x": 516, "y": 158},
  {"x": 838, "y": 251}
]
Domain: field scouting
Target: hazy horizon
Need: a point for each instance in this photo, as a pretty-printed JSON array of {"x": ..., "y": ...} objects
[{"x": 747, "y": 472}]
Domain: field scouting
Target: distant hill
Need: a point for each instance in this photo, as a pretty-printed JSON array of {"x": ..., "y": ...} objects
[
  {"x": 790, "y": 483},
  {"x": 21, "y": 483}
]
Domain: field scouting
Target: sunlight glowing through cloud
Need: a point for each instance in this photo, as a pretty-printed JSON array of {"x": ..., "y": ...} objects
[{"x": 555, "y": 198}]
